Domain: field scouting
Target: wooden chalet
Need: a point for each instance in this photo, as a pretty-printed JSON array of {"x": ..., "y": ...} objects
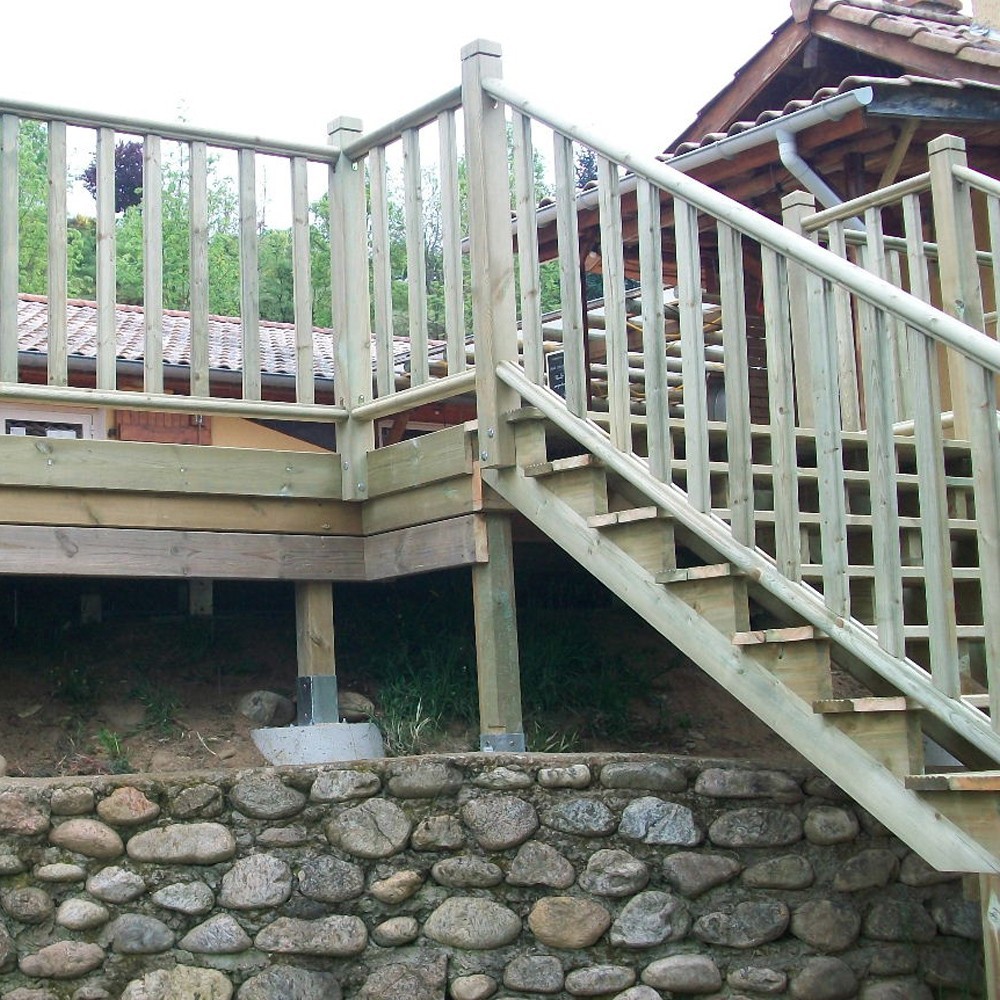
[{"x": 776, "y": 436}]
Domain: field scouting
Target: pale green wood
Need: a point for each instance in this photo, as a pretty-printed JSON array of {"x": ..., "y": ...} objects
[
  {"x": 416, "y": 260},
  {"x": 58, "y": 362},
  {"x": 781, "y": 399},
  {"x": 847, "y": 354},
  {"x": 152, "y": 263},
  {"x": 527, "y": 250},
  {"x": 451, "y": 243},
  {"x": 616, "y": 335},
  {"x": 305, "y": 391},
  {"x": 198, "y": 221},
  {"x": 441, "y": 454},
  {"x": 737, "y": 383},
  {"x": 424, "y": 548},
  {"x": 494, "y": 313},
  {"x": 107, "y": 368},
  {"x": 900, "y": 354},
  {"x": 8, "y": 247},
  {"x": 927, "y": 434},
  {"x": 571, "y": 303},
  {"x": 446, "y": 387},
  {"x": 993, "y": 221},
  {"x": 314, "y": 637},
  {"x": 795, "y": 208},
  {"x": 989, "y": 896},
  {"x": 200, "y": 598},
  {"x": 381, "y": 273},
  {"x": 249, "y": 275}
]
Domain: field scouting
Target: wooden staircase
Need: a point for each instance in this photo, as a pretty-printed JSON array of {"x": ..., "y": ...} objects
[{"x": 823, "y": 699}]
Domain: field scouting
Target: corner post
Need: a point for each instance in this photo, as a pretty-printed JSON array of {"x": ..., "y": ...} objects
[
  {"x": 491, "y": 251},
  {"x": 351, "y": 322},
  {"x": 961, "y": 293},
  {"x": 794, "y": 208}
]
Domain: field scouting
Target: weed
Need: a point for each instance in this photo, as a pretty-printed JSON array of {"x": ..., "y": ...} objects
[
  {"x": 542, "y": 739},
  {"x": 76, "y": 683},
  {"x": 406, "y": 727},
  {"x": 161, "y": 706},
  {"x": 111, "y": 743}
]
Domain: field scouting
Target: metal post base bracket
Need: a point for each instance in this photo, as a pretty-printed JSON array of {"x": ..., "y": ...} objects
[
  {"x": 317, "y": 700},
  {"x": 501, "y": 742}
]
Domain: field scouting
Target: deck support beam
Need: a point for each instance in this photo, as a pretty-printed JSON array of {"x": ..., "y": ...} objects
[
  {"x": 317, "y": 671},
  {"x": 498, "y": 667}
]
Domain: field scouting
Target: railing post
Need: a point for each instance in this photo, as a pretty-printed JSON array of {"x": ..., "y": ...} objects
[
  {"x": 351, "y": 322},
  {"x": 794, "y": 208},
  {"x": 491, "y": 252},
  {"x": 961, "y": 294}
]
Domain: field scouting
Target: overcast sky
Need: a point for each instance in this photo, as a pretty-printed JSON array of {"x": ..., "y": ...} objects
[{"x": 634, "y": 72}]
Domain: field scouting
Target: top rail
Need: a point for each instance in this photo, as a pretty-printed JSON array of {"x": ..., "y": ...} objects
[
  {"x": 875, "y": 199},
  {"x": 877, "y": 291},
  {"x": 982, "y": 182},
  {"x": 449, "y": 101}
]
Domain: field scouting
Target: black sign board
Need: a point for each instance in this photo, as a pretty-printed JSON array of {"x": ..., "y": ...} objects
[{"x": 555, "y": 369}]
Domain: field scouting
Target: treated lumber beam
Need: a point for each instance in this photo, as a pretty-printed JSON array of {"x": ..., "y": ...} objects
[
  {"x": 169, "y": 468},
  {"x": 314, "y": 628},
  {"x": 422, "y": 505},
  {"x": 459, "y": 541},
  {"x": 417, "y": 462},
  {"x": 128, "y": 552},
  {"x": 102, "y": 509}
]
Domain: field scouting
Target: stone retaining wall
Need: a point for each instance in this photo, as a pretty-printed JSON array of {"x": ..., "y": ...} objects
[{"x": 470, "y": 877}]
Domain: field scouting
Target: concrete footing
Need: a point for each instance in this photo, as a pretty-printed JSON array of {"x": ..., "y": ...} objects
[{"x": 322, "y": 743}]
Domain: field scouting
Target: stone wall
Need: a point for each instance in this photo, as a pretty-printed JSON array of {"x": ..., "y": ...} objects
[{"x": 471, "y": 877}]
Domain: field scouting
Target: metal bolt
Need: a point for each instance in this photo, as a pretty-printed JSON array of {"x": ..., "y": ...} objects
[
  {"x": 484, "y": 454},
  {"x": 347, "y": 465},
  {"x": 361, "y": 487},
  {"x": 491, "y": 433}
]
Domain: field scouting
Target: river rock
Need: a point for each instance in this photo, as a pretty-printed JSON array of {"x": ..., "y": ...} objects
[
  {"x": 599, "y": 980},
  {"x": 376, "y": 828},
  {"x": 540, "y": 864},
  {"x": 951, "y": 969},
  {"x": 655, "y": 776},
  {"x": 656, "y": 821},
  {"x": 219, "y": 935},
  {"x": 127, "y": 806},
  {"x": 649, "y": 919},
  {"x": 395, "y": 931},
  {"x": 28, "y": 904},
  {"x": 335, "y": 936},
  {"x": 266, "y": 708},
  {"x": 424, "y": 780},
  {"x": 116, "y": 885},
  {"x": 473, "y": 923},
  {"x": 62, "y": 960},
  {"x": 534, "y": 974},
  {"x": 344, "y": 786},
  {"x": 77, "y": 800},
  {"x": 824, "y": 979},
  {"x": 638, "y": 993},
  {"x": 755, "y": 827},
  {"x": 475, "y": 987},
  {"x": 899, "y": 920},
  {"x": 757, "y": 979},
  {"x": 418, "y": 980},
  {"x": 286, "y": 982},
  {"x": 568, "y": 921},
  {"x": 789, "y": 871},
  {"x": 8, "y": 950},
  {"x": 683, "y": 974},
  {"x": 692, "y": 874},
  {"x": 898, "y": 989},
  {"x": 749, "y": 925},
  {"x": 723, "y": 783},
  {"x": 916, "y": 872},
  {"x": 503, "y": 779},
  {"x": 397, "y": 887},
  {"x": 826, "y": 825},
  {"x": 183, "y": 844},
  {"x": 580, "y": 817},
  {"x": 21, "y": 816},
  {"x": 283, "y": 836},
  {"x": 614, "y": 873},
  {"x": 265, "y": 796},
  {"x": 138, "y": 934},
  {"x": 201, "y": 800},
  {"x": 60, "y": 873},
  {"x": 500, "y": 821},
  {"x": 466, "y": 873},
  {"x": 869, "y": 869},
  {"x": 192, "y": 898},
  {"x": 959, "y": 918},
  {"x": 826, "y": 924},
  {"x": 893, "y": 960},
  {"x": 330, "y": 880},
  {"x": 81, "y": 914},
  {"x": 572, "y": 776},
  {"x": 88, "y": 837},
  {"x": 257, "y": 881},
  {"x": 438, "y": 833},
  {"x": 352, "y": 706},
  {"x": 181, "y": 981}
]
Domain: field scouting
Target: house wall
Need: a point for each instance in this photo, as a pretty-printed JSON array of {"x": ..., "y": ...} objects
[
  {"x": 570, "y": 875},
  {"x": 233, "y": 432}
]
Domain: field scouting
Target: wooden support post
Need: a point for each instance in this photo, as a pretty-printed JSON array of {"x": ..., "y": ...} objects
[
  {"x": 351, "y": 321},
  {"x": 498, "y": 669},
  {"x": 494, "y": 319},
  {"x": 200, "y": 598},
  {"x": 91, "y": 607},
  {"x": 989, "y": 894},
  {"x": 317, "y": 675}
]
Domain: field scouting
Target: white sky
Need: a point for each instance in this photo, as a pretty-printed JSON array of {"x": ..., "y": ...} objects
[{"x": 633, "y": 72}]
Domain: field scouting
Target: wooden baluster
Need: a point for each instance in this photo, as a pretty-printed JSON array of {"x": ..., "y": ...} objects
[
  {"x": 58, "y": 359},
  {"x": 847, "y": 359},
  {"x": 249, "y": 275},
  {"x": 381, "y": 273},
  {"x": 527, "y": 251},
  {"x": 106, "y": 286},
  {"x": 902, "y": 381},
  {"x": 451, "y": 244},
  {"x": 305, "y": 390},
  {"x": 8, "y": 247},
  {"x": 152, "y": 263},
  {"x": 416, "y": 263},
  {"x": 993, "y": 223},
  {"x": 794, "y": 207},
  {"x": 198, "y": 214}
]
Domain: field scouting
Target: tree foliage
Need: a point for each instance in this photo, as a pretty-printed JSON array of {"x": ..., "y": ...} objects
[{"x": 128, "y": 175}]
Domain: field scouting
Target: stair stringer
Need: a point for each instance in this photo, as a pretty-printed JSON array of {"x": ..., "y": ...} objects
[{"x": 940, "y": 842}]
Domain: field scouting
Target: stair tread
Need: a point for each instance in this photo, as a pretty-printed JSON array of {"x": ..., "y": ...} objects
[
  {"x": 956, "y": 781},
  {"x": 630, "y": 516},
  {"x": 557, "y": 465},
  {"x": 837, "y": 706},
  {"x": 758, "y": 637},
  {"x": 709, "y": 572}
]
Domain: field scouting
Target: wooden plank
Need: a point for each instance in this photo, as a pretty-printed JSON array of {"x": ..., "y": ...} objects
[
  {"x": 421, "y": 505},
  {"x": 893, "y": 738},
  {"x": 314, "y": 629},
  {"x": 755, "y": 637},
  {"x": 497, "y": 662},
  {"x": 152, "y": 263},
  {"x": 993, "y": 225},
  {"x": 960, "y": 781},
  {"x": 139, "y": 467},
  {"x": 989, "y": 894},
  {"x": 692, "y": 321},
  {"x": 9, "y": 218},
  {"x": 737, "y": 385},
  {"x": 975, "y": 812},
  {"x": 249, "y": 275},
  {"x": 58, "y": 361},
  {"x": 686, "y": 573},
  {"x": 616, "y": 336},
  {"x": 451, "y": 243},
  {"x": 527, "y": 249},
  {"x": 659, "y": 447},
  {"x": 802, "y": 307},
  {"x": 305, "y": 391},
  {"x": 847, "y": 355},
  {"x": 630, "y": 516},
  {"x": 200, "y": 598},
  {"x": 457, "y": 541},
  {"x": 124, "y": 509},
  {"x": 440, "y": 455},
  {"x": 781, "y": 400},
  {"x": 198, "y": 221},
  {"x": 416, "y": 262},
  {"x": 558, "y": 465},
  {"x": 839, "y": 706},
  {"x": 381, "y": 272},
  {"x": 570, "y": 297},
  {"x": 129, "y": 552},
  {"x": 106, "y": 289},
  {"x": 719, "y": 600}
]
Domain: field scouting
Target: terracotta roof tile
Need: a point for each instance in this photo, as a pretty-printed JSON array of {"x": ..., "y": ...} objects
[
  {"x": 843, "y": 12},
  {"x": 983, "y": 56},
  {"x": 940, "y": 42}
]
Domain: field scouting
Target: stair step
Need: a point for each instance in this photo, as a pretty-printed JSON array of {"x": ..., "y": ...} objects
[
  {"x": 838, "y": 706},
  {"x": 886, "y": 728},
  {"x": 956, "y": 781},
  {"x": 719, "y": 597},
  {"x": 763, "y": 636},
  {"x": 696, "y": 573},
  {"x": 579, "y": 481},
  {"x": 644, "y": 534},
  {"x": 558, "y": 465},
  {"x": 803, "y": 664},
  {"x": 630, "y": 516}
]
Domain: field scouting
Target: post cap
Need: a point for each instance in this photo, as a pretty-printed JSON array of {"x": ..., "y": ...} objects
[
  {"x": 481, "y": 47},
  {"x": 344, "y": 124}
]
